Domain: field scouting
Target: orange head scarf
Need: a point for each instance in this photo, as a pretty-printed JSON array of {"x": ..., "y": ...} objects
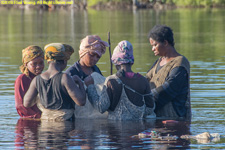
[
  {"x": 58, "y": 51},
  {"x": 28, "y": 54}
]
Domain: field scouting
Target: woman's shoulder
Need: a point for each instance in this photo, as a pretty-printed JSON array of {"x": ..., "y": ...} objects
[
  {"x": 182, "y": 58},
  {"x": 138, "y": 76},
  {"x": 182, "y": 61},
  {"x": 142, "y": 78},
  {"x": 22, "y": 80},
  {"x": 21, "y": 77},
  {"x": 112, "y": 78},
  {"x": 73, "y": 69},
  {"x": 63, "y": 75}
]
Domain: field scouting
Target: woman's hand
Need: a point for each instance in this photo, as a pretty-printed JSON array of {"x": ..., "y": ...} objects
[{"x": 88, "y": 80}]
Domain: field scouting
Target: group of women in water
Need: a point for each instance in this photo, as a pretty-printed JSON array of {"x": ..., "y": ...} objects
[{"x": 82, "y": 92}]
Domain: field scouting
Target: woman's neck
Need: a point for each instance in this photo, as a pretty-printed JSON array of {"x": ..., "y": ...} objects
[
  {"x": 169, "y": 56},
  {"x": 171, "y": 53},
  {"x": 54, "y": 68},
  {"x": 86, "y": 69},
  {"x": 31, "y": 75},
  {"x": 126, "y": 68},
  {"x": 81, "y": 62}
]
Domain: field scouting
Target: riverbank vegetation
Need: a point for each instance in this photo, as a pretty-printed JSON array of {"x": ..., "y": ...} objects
[
  {"x": 197, "y": 3},
  {"x": 112, "y": 4},
  {"x": 149, "y": 3}
]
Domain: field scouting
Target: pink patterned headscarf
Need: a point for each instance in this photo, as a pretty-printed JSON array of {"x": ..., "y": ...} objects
[
  {"x": 123, "y": 53},
  {"x": 94, "y": 44}
]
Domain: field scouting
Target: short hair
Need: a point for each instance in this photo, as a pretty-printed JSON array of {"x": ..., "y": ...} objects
[{"x": 160, "y": 33}]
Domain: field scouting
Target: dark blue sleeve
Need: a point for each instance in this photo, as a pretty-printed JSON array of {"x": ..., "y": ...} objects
[
  {"x": 176, "y": 84},
  {"x": 75, "y": 70},
  {"x": 72, "y": 71},
  {"x": 96, "y": 69}
]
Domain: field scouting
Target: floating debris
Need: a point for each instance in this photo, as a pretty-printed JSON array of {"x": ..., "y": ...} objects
[
  {"x": 153, "y": 135},
  {"x": 205, "y": 137}
]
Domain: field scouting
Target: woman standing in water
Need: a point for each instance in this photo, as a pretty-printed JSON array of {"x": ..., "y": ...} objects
[
  {"x": 91, "y": 50},
  {"x": 169, "y": 76},
  {"x": 125, "y": 95},
  {"x": 33, "y": 65},
  {"x": 57, "y": 90}
]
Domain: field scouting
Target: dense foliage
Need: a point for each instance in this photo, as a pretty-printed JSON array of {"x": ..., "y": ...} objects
[{"x": 197, "y": 3}]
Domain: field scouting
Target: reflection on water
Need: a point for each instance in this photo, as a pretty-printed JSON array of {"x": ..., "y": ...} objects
[
  {"x": 199, "y": 35},
  {"x": 34, "y": 134},
  {"x": 95, "y": 134},
  {"x": 26, "y": 134}
]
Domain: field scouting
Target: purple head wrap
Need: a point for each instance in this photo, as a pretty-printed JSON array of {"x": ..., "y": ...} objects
[{"x": 123, "y": 53}]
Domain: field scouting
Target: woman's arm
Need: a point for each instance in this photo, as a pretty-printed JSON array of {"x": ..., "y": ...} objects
[
  {"x": 176, "y": 83},
  {"x": 21, "y": 86},
  {"x": 77, "y": 93}
]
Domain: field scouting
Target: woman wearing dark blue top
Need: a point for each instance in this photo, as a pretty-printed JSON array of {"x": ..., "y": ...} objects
[
  {"x": 76, "y": 69},
  {"x": 91, "y": 50}
]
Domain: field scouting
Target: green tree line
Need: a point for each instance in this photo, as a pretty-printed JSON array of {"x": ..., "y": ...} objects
[{"x": 184, "y": 3}]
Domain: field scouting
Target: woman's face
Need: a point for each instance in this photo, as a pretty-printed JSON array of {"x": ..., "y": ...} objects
[
  {"x": 90, "y": 59},
  {"x": 36, "y": 65},
  {"x": 157, "y": 47}
]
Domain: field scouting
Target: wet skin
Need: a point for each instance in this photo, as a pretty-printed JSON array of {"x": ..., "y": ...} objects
[
  {"x": 157, "y": 47},
  {"x": 90, "y": 59},
  {"x": 36, "y": 65}
]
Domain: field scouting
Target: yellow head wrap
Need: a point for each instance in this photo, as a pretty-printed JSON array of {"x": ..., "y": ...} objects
[
  {"x": 58, "y": 51},
  {"x": 29, "y": 54}
]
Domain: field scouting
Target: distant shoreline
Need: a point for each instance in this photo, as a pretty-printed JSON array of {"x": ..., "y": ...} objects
[{"x": 69, "y": 4}]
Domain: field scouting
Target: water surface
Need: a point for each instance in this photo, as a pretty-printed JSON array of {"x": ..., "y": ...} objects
[{"x": 199, "y": 35}]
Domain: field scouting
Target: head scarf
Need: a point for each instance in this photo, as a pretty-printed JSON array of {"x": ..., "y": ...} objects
[
  {"x": 28, "y": 54},
  {"x": 123, "y": 53},
  {"x": 58, "y": 51},
  {"x": 94, "y": 44}
]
